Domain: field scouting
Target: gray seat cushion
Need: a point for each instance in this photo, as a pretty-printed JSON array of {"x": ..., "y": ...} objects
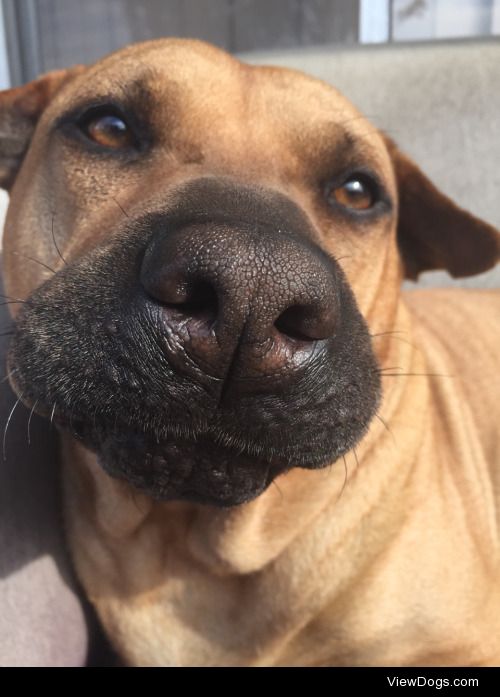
[{"x": 41, "y": 619}]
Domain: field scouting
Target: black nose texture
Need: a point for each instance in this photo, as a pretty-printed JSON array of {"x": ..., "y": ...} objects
[{"x": 240, "y": 301}]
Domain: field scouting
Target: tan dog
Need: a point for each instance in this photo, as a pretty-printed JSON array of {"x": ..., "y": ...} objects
[{"x": 228, "y": 245}]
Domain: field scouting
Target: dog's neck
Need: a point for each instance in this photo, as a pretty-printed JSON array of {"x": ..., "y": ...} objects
[{"x": 361, "y": 491}]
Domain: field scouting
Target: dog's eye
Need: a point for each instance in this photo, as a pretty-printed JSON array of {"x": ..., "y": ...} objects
[
  {"x": 356, "y": 193},
  {"x": 108, "y": 130}
]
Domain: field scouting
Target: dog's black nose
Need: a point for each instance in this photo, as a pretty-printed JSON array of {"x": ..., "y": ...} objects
[{"x": 242, "y": 298}]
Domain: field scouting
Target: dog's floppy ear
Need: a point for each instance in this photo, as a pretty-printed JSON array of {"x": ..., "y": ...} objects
[
  {"x": 435, "y": 233},
  {"x": 20, "y": 109}
]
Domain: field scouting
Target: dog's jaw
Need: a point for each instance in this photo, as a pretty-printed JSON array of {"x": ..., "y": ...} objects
[{"x": 196, "y": 470}]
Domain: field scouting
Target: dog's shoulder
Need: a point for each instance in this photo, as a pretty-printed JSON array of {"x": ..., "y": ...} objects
[
  {"x": 458, "y": 330},
  {"x": 466, "y": 322}
]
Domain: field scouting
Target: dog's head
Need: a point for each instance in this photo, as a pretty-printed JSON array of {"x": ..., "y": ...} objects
[{"x": 212, "y": 238}]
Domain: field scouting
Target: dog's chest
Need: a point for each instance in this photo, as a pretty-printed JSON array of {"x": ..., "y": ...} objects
[
  {"x": 307, "y": 608},
  {"x": 182, "y": 624}
]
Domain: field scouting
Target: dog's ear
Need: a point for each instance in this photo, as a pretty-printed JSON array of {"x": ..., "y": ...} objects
[
  {"x": 435, "y": 233},
  {"x": 20, "y": 109}
]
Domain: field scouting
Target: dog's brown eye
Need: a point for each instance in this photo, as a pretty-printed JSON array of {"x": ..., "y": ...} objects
[
  {"x": 354, "y": 193},
  {"x": 110, "y": 131}
]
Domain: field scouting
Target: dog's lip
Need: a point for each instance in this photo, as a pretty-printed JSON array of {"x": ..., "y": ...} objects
[
  {"x": 91, "y": 434},
  {"x": 175, "y": 432}
]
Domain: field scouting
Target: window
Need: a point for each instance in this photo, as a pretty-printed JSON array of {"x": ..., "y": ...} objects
[{"x": 46, "y": 34}]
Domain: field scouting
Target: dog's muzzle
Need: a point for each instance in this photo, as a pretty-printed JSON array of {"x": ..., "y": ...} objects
[{"x": 204, "y": 349}]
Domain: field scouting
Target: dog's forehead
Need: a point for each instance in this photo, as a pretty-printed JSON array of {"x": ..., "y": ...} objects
[
  {"x": 198, "y": 87},
  {"x": 190, "y": 66}
]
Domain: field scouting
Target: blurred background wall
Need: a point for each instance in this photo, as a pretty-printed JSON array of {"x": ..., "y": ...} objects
[{"x": 44, "y": 34}]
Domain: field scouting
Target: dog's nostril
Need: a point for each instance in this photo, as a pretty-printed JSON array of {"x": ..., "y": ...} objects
[
  {"x": 303, "y": 323},
  {"x": 291, "y": 324},
  {"x": 197, "y": 300}
]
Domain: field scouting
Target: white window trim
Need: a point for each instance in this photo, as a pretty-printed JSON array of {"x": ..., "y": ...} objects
[
  {"x": 4, "y": 60},
  {"x": 374, "y": 21},
  {"x": 495, "y": 22}
]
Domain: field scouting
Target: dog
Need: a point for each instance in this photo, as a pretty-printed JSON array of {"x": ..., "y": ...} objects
[{"x": 258, "y": 470}]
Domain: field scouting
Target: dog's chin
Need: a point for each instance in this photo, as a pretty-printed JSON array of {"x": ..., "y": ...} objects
[{"x": 199, "y": 471}]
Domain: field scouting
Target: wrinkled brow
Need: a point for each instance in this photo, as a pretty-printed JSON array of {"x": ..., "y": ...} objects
[
  {"x": 334, "y": 145},
  {"x": 134, "y": 93}
]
